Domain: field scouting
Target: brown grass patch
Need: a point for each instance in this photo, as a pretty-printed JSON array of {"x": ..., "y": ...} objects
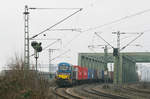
[{"x": 19, "y": 83}]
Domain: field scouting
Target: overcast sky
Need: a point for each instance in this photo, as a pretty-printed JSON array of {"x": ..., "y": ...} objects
[{"x": 95, "y": 13}]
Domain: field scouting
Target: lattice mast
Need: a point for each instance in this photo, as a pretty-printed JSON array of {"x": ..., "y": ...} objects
[{"x": 26, "y": 38}]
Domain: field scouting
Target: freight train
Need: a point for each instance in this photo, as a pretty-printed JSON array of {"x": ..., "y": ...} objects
[{"x": 69, "y": 74}]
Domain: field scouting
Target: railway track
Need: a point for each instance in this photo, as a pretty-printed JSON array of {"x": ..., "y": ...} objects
[
  {"x": 95, "y": 92},
  {"x": 80, "y": 91},
  {"x": 65, "y": 93},
  {"x": 102, "y": 94},
  {"x": 108, "y": 95},
  {"x": 90, "y": 92},
  {"x": 129, "y": 92},
  {"x": 137, "y": 92}
]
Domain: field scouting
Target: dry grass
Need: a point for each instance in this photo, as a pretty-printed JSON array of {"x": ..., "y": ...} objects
[{"x": 19, "y": 83}]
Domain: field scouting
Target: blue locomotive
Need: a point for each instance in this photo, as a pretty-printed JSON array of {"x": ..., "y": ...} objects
[
  {"x": 63, "y": 76},
  {"x": 68, "y": 74}
]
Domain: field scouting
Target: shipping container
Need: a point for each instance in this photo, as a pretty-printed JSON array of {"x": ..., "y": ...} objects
[
  {"x": 95, "y": 74},
  {"x": 74, "y": 74},
  {"x": 78, "y": 72},
  {"x": 84, "y": 73},
  {"x": 89, "y": 74}
]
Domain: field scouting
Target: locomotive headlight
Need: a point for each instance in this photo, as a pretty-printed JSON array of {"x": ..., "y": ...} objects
[
  {"x": 68, "y": 74},
  {"x": 63, "y": 73}
]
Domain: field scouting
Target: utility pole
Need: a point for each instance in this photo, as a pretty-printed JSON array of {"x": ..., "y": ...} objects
[
  {"x": 117, "y": 58},
  {"x": 26, "y": 38},
  {"x": 117, "y": 66},
  {"x": 105, "y": 60},
  {"x": 36, "y": 57},
  {"x": 105, "y": 56},
  {"x": 50, "y": 53}
]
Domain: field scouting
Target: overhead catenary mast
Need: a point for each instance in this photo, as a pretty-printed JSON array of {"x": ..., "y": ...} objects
[
  {"x": 50, "y": 57},
  {"x": 26, "y": 38}
]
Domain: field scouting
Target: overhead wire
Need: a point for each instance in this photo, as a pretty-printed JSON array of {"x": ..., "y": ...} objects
[
  {"x": 55, "y": 24},
  {"x": 32, "y": 8},
  {"x": 80, "y": 32},
  {"x": 109, "y": 23},
  {"x": 45, "y": 39},
  {"x": 103, "y": 39},
  {"x": 134, "y": 33},
  {"x": 60, "y": 55},
  {"x": 134, "y": 39},
  {"x": 118, "y": 20},
  {"x": 131, "y": 41},
  {"x": 115, "y": 21},
  {"x": 51, "y": 44}
]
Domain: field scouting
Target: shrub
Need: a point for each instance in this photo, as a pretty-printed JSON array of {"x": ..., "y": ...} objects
[{"x": 19, "y": 83}]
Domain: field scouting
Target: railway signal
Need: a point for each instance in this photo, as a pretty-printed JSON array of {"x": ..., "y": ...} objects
[
  {"x": 115, "y": 52},
  {"x": 37, "y": 48}
]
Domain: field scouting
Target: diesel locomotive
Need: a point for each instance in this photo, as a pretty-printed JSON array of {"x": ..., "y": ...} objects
[{"x": 69, "y": 74}]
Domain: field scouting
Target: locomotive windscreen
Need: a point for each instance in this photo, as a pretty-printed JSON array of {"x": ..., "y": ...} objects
[{"x": 63, "y": 67}]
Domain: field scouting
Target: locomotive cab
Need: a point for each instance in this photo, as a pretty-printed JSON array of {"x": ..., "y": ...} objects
[
  {"x": 64, "y": 71},
  {"x": 64, "y": 74}
]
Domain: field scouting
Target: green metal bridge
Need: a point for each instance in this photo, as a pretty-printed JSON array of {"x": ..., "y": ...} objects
[{"x": 124, "y": 67}]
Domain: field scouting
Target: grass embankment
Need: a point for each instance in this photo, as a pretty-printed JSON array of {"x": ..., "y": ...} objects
[{"x": 19, "y": 83}]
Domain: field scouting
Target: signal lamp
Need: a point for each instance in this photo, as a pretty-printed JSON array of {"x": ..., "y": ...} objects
[
  {"x": 115, "y": 52},
  {"x": 37, "y": 46}
]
